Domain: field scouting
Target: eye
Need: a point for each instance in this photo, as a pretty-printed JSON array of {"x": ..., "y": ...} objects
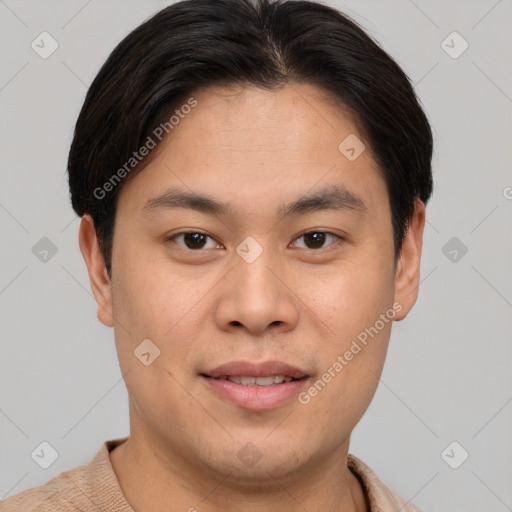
[
  {"x": 316, "y": 239},
  {"x": 193, "y": 240}
]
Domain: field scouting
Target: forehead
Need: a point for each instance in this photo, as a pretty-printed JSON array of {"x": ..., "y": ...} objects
[
  {"x": 250, "y": 143},
  {"x": 246, "y": 116}
]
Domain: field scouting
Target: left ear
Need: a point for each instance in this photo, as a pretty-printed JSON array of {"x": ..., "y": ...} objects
[{"x": 407, "y": 277}]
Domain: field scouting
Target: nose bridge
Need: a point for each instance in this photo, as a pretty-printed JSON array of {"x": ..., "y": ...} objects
[
  {"x": 255, "y": 282},
  {"x": 256, "y": 297}
]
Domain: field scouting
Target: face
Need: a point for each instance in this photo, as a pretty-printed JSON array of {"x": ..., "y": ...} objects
[{"x": 258, "y": 260}]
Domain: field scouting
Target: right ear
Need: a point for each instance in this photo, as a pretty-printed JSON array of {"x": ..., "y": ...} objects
[{"x": 98, "y": 276}]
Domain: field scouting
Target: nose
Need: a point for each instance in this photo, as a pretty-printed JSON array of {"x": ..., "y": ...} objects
[{"x": 257, "y": 297}]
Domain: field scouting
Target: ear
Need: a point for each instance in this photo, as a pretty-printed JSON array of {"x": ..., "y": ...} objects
[
  {"x": 407, "y": 277},
  {"x": 98, "y": 276}
]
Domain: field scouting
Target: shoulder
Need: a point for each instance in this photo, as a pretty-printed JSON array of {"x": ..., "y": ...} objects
[
  {"x": 381, "y": 498},
  {"x": 61, "y": 493},
  {"x": 93, "y": 486}
]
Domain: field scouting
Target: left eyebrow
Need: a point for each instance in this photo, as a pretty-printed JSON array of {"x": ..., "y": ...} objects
[{"x": 329, "y": 198}]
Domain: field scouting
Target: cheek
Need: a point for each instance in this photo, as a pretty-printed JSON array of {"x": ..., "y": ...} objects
[
  {"x": 351, "y": 304},
  {"x": 350, "y": 299},
  {"x": 152, "y": 300},
  {"x": 146, "y": 294}
]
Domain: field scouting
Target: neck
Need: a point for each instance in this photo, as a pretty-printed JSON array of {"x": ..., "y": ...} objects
[{"x": 151, "y": 479}]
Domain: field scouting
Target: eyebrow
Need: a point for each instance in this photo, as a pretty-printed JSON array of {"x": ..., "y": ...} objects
[{"x": 329, "y": 198}]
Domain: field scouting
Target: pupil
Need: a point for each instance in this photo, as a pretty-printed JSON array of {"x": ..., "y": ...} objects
[
  {"x": 317, "y": 238},
  {"x": 194, "y": 239}
]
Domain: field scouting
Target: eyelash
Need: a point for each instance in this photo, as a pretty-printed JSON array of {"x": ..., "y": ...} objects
[{"x": 338, "y": 239}]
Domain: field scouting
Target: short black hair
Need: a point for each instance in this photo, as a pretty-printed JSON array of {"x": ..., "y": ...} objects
[{"x": 194, "y": 44}]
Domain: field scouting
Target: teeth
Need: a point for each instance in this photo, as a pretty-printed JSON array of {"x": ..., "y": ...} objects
[
  {"x": 257, "y": 381},
  {"x": 278, "y": 379}
]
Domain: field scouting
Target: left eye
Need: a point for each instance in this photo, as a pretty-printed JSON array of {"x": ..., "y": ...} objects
[{"x": 316, "y": 239}]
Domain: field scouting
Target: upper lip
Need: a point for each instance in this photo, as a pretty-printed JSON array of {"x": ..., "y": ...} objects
[{"x": 263, "y": 369}]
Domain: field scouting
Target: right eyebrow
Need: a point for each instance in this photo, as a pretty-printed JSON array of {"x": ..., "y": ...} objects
[{"x": 176, "y": 198}]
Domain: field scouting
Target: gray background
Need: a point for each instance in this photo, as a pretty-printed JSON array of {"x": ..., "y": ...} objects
[{"x": 448, "y": 374}]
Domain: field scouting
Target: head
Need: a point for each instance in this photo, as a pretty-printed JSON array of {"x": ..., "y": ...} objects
[{"x": 252, "y": 180}]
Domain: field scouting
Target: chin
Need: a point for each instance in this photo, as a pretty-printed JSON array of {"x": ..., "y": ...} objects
[{"x": 256, "y": 462}]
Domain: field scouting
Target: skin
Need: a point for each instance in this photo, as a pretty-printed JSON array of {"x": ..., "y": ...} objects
[{"x": 298, "y": 302}]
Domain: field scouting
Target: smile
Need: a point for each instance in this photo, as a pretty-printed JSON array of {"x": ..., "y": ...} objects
[{"x": 257, "y": 381}]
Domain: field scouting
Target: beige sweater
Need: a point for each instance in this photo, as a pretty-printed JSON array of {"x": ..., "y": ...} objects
[{"x": 94, "y": 488}]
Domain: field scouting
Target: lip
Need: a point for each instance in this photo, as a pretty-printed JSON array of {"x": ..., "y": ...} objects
[
  {"x": 263, "y": 369},
  {"x": 256, "y": 398}
]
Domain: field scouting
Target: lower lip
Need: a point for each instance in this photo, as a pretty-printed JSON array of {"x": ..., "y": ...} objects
[{"x": 256, "y": 398}]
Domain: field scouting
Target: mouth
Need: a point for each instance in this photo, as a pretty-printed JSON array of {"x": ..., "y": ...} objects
[
  {"x": 256, "y": 386},
  {"x": 246, "y": 380}
]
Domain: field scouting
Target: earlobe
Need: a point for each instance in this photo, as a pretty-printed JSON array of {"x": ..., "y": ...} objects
[
  {"x": 98, "y": 276},
  {"x": 407, "y": 277}
]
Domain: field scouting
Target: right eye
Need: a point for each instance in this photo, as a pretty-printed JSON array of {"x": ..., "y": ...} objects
[{"x": 192, "y": 240}]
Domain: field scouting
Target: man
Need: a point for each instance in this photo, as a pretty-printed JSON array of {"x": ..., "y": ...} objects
[{"x": 252, "y": 179}]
